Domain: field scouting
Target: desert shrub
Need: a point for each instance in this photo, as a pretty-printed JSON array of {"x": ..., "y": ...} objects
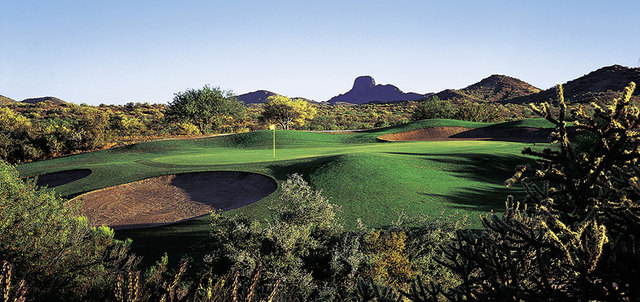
[
  {"x": 289, "y": 246},
  {"x": 424, "y": 246},
  {"x": 305, "y": 248},
  {"x": 574, "y": 236},
  {"x": 477, "y": 112},
  {"x": 53, "y": 249},
  {"x": 432, "y": 108},
  {"x": 127, "y": 126},
  {"x": 16, "y": 139},
  {"x": 389, "y": 262},
  {"x": 184, "y": 128},
  {"x": 323, "y": 122},
  {"x": 93, "y": 127}
]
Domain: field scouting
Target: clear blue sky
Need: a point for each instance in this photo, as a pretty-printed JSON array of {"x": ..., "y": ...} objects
[{"x": 122, "y": 51}]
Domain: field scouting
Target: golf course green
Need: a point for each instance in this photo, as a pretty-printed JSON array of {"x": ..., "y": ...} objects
[{"x": 371, "y": 180}]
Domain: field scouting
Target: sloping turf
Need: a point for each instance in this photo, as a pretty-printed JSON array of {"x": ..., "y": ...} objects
[{"x": 371, "y": 180}]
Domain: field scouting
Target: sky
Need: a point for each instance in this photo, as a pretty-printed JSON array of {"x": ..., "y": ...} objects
[{"x": 115, "y": 52}]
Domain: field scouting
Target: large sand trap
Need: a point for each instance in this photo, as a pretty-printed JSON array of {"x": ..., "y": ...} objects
[
  {"x": 60, "y": 178},
  {"x": 532, "y": 135},
  {"x": 173, "y": 198}
]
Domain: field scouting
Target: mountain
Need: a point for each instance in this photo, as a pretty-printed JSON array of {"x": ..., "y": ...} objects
[
  {"x": 493, "y": 88},
  {"x": 259, "y": 96},
  {"x": 6, "y": 101},
  {"x": 365, "y": 90},
  {"x": 602, "y": 84},
  {"x": 53, "y": 100}
]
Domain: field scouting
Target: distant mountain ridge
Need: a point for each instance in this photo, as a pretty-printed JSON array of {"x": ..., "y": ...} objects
[
  {"x": 259, "y": 96},
  {"x": 52, "y": 99},
  {"x": 491, "y": 89},
  {"x": 365, "y": 90},
  {"x": 603, "y": 83}
]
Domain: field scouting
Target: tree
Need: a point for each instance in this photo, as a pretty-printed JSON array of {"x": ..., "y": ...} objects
[
  {"x": 575, "y": 235},
  {"x": 285, "y": 111},
  {"x": 205, "y": 107}
]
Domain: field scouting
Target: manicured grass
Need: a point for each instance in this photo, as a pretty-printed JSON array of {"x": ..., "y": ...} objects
[{"x": 372, "y": 181}]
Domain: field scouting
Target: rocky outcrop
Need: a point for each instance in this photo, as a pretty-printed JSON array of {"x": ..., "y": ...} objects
[{"x": 365, "y": 90}]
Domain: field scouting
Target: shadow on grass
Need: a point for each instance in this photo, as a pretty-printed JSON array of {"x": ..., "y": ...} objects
[
  {"x": 480, "y": 199},
  {"x": 186, "y": 238},
  {"x": 60, "y": 178},
  {"x": 280, "y": 170},
  {"x": 488, "y": 168},
  {"x": 477, "y": 166}
]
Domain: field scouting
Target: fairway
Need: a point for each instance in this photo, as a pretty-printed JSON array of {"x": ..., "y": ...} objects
[{"x": 373, "y": 181}]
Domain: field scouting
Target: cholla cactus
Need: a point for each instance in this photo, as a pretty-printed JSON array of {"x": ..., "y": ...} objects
[
  {"x": 575, "y": 236},
  {"x": 10, "y": 291}
]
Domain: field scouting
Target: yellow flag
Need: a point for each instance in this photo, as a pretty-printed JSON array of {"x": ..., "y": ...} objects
[{"x": 272, "y": 127}]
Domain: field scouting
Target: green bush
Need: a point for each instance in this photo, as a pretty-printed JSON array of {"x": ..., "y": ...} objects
[
  {"x": 289, "y": 246},
  {"x": 432, "y": 108},
  {"x": 207, "y": 107},
  {"x": 50, "y": 246}
]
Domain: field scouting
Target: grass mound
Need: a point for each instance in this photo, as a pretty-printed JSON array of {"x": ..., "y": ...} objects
[{"x": 376, "y": 188}]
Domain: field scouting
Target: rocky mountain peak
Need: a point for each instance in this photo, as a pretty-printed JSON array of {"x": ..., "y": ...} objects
[
  {"x": 365, "y": 90},
  {"x": 363, "y": 82}
]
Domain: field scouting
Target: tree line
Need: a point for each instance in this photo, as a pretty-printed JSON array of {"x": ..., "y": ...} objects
[{"x": 39, "y": 131}]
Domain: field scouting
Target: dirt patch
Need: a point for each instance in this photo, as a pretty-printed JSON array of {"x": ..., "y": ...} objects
[
  {"x": 531, "y": 135},
  {"x": 173, "y": 198},
  {"x": 60, "y": 178}
]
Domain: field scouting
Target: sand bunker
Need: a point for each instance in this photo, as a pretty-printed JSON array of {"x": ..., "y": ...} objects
[
  {"x": 60, "y": 178},
  {"x": 173, "y": 198},
  {"x": 529, "y": 135}
]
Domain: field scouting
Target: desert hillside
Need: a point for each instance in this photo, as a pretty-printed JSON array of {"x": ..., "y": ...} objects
[
  {"x": 604, "y": 83},
  {"x": 493, "y": 88},
  {"x": 5, "y": 100}
]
